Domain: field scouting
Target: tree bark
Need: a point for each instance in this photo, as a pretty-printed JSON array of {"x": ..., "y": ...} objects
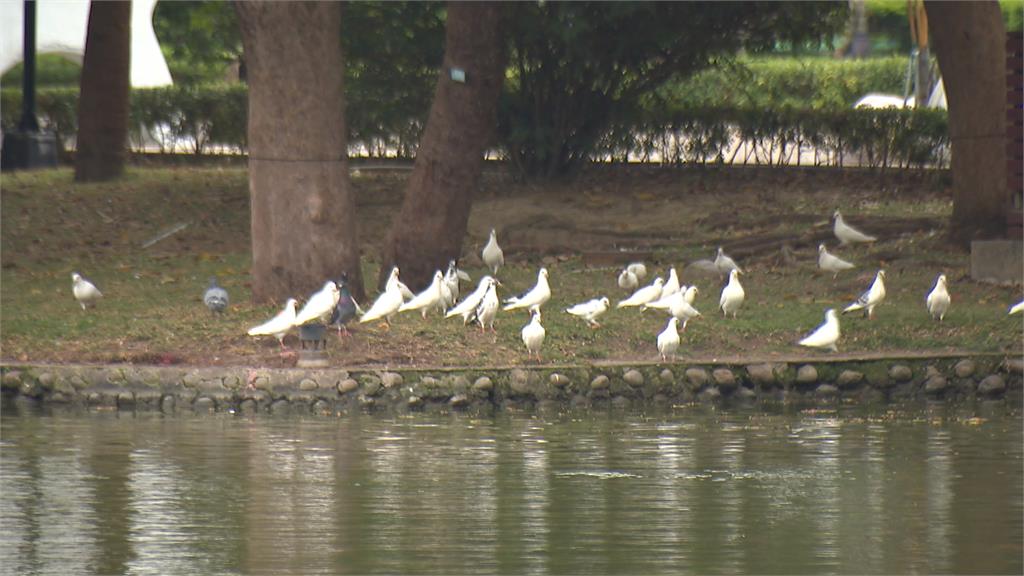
[
  {"x": 969, "y": 40},
  {"x": 303, "y": 210},
  {"x": 429, "y": 228},
  {"x": 103, "y": 104}
]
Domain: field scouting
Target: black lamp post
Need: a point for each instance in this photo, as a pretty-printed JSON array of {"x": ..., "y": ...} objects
[{"x": 28, "y": 147}]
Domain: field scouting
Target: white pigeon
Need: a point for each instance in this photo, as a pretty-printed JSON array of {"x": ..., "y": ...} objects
[
  {"x": 385, "y": 306},
  {"x": 668, "y": 340},
  {"x": 668, "y": 290},
  {"x": 429, "y": 298},
  {"x": 535, "y": 298},
  {"x": 848, "y": 234},
  {"x": 488, "y": 308},
  {"x": 628, "y": 280},
  {"x": 831, "y": 263},
  {"x": 85, "y": 292},
  {"x": 395, "y": 284},
  {"x": 492, "y": 255},
  {"x": 938, "y": 299},
  {"x": 590, "y": 310},
  {"x": 645, "y": 295},
  {"x": 870, "y": 298},
  {"x": 1017, "y": 308},
  {"x": 279, "y": 325},
  {"x": 533, "y": 335},
  {"x": 638, "y": 269},
  {"x": 320, "y": 305},
  {"x": 690, "y": 294},
  {"x": 826, "y": 335},
  {"x": 467, "y": 308},
  {"x": 724, "y": 264},
  {"x": 450, "y": 290},
  {"x": 682, "y": 309},
  {"x": 732, "y": 295}
]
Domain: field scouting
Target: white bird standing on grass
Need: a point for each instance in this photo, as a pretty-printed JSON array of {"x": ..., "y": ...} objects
[
  {"x": 628, "y": 280},
  {"x": 826, "y": 335},
  {"x": 279, "y": 325},
  {"x": 732, "y": 295},
  {"x": 938, "y": 299},
  {"x": 320, "y": 306},
  {"x": 533, "y": 335},
  {"x": 848, "y": 234},
  {"x": 535, "y": 298},
  {"x": 488, "y": 308},
  {"x": 450, "y": 290},
  {"x": 639, "y": 269},
  {"x": 395, "y": 284},
  {"x": 1016, "y": 308},
  {"x": 644, "y": 295},
  {"x": 467, "y": 308},
  {"x": 590, "y": 310},
  {"x": 385, "y": 306},
  {"x": 85, "y": 292},
  {"x": 668, "y": 340},
  {"x": 215, "y": 297},
  {"x": 832, "y": 263},
  {"x": 682, "y": 309},
  {"x": 492, "y": 254},
  {"x": 871, "y": 298},
  {"x": 724, "y": 264},
  {"x": 428, "y": 298}
]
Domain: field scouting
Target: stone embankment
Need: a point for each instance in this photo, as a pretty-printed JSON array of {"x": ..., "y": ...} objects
[{"x": 332, "y": 391}]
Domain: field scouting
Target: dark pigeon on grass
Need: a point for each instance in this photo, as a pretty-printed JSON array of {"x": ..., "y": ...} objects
[
  {"x": 346, "y": 309},
  {"x": 215, "y": 297}
]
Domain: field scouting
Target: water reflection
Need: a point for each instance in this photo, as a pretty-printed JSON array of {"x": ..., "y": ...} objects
[{"x": 936, "y": 490}]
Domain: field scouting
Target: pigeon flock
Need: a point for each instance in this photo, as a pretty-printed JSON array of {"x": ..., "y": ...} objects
[{"x": 334, "y": 306}]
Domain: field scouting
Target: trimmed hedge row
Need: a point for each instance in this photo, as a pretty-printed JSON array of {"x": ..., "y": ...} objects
[{"x": 676, "y": 131}]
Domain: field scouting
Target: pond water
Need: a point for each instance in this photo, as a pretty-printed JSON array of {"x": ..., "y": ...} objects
[{"x": 921, "y": 489}]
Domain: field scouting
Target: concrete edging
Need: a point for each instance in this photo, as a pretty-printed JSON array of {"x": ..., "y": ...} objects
[{"x": 333, "y": 391}]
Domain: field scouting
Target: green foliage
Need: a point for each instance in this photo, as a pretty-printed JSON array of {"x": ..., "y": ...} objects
[
  {"x": 51, "y": 70},
  {"x": 199, "y": 39},
  {"x": 393, "y": 51},
  {"x": 568, "y": 81}
]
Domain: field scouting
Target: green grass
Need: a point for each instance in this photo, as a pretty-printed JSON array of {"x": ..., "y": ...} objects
[{"x": 152, "y": 310}]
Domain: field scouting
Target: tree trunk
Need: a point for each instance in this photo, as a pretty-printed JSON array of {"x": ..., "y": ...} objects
[
  {"x": 431, "y": 224},
  {"x": 969, "y": 40},
  {"x": 103, "y": 104},
  {"x": 303, "y": 210}
]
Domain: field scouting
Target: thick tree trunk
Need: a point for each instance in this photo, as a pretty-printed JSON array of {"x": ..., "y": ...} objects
[
  {"x": 969, "y": 40},
  {"x": 431, "y": 224},
  {"x": 303, "y": 211},
  {"x": 103, "y": 104}
]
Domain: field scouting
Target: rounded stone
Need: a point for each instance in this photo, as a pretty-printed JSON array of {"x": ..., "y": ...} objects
[
  {"x": 347, "y": 385},
  {"x": 459, "y": 401},
  {"x": 710, "y": 394},
  {"x": 621, "y": 402},
  {"x": 931, "y": 371},
  {"x": 391, "y": 379},
  {"x": 232, "y": 382},
  {"x": 519, "y": 381},
  {"x": 901, "y": 372},
  {"x": 599, "y": 383},
  {"x": 666, "y": 376},
  {"x": 633, "y": 377},
  {"x": 281, "y": 406},
  {"x": 806, "y": 374},
  {"x": 247, "y": 406},
  {"x": 483, "y": 384},
  {"x": 126, "y": 399},
  {"x": 261, "y": 382},
  {"x": 204, "y": 404},
  {"x": 45, "y": 380},
  {"x": 697, "y": 377},
  {"x": 307, "y": 384},
  {"x": 724, "y": 378},
  {"x": 992, "y": 385},
  {"x": 964, "y": 368},
  {"x": 559, "y": 380},
  {"x": 414, "y": 401},
  {"x": 321, "y": 407},
  {"x": 11, "y": 379},
  {"x": 761, "y": 374},
  {"x": 849, "y": 378},
  {"x": 1014, "y": 365},
  {"x": 826, "y": 391},
  {"x": 744, "y": 393},
  {"x": 935, "y": 384}
]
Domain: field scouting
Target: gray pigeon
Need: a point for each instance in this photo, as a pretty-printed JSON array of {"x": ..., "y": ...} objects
[
  {"x": 346, "y": 309},
  {"x": 215, "y": 297}
]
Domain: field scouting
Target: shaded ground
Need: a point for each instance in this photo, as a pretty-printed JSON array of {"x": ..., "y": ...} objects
[{"x": 152, "y": 312}]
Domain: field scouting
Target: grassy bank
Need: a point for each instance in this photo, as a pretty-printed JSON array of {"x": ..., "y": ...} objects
[{"x": 152, "y": 310}]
